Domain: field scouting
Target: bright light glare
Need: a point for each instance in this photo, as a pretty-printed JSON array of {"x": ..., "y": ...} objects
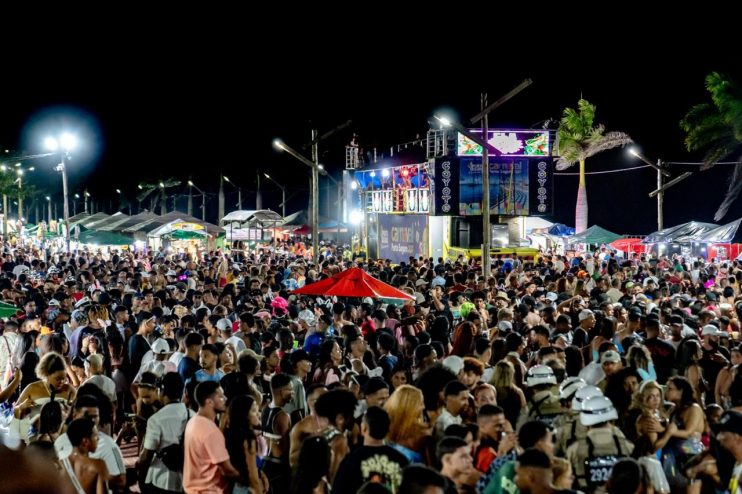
[
  {"x": 278, "y": 144},
  {"x": 445, "y": 121},
  {"x": 32, "y": 168},
  {"x": 354, "y": 185},
  {"x": 356, "y": 217},
  {"x": 118, "y": 191},
  {"x": 3, "y": 167},
  {"x": 140, "y": 186},
  {"x": 189, "y": 183},
  {"x": 48, "y": 198},
  {"x": 139, "y": 244},
  {"x": 77, "y": 196},
  {"x": 226, "y": 178},
  {"x": 373, "y": 174},
  {"x": 51, "y": 144},
  {"x": 634, "y": 152},
  {"x": 162, "y": 185},
  {"x": 267, "y": 176},
  {"x": 19, "y": 172},
  {"x": 385, "y": 172},
  {"x": 68, "y": 141}
]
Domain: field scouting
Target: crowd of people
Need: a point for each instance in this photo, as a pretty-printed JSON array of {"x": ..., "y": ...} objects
[{"x": 587, "y": 372}]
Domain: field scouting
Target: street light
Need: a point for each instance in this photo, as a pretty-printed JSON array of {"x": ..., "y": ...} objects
[
  {"x": 65, "y": 143},
  {"x": 49, "y": 207},
  {"x": 239, "y": 192},
  {"x": 660, "y": 191},
  {"x": 314, "y": 165},
  {"x": 203, "y": 200},
  {"x": 283, "y": 194}
]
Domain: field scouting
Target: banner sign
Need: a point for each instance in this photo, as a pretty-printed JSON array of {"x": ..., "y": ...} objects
[
  {"x": 402, "y": 236},
  {"x": 446, "y": 186},
  {"x": 516, "y": 143}
]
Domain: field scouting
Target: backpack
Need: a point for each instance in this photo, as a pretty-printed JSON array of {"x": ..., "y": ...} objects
[{"x": 173, "y": 456}]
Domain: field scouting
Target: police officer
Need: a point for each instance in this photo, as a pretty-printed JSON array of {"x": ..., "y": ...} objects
[
  {"x": 543, "y": 404},
  {"x": 567, "y": 426},
  {"x": 593, "y": 457}
]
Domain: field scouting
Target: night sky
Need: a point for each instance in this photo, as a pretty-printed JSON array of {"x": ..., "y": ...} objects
[{"x": 188, "y": 116}]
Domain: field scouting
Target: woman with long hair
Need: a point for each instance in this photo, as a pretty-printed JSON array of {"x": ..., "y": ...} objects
[
  {"x": 243, "y": 416},
  {"x": 51, "y": 419},
  {"x": 682, "y": 437},
  {"x": 509, "y": 396},
  {"x": 313, "y": 467},
  {"x": 52, "y": 386},
  {"x": 463, "y": 339},
  {"x": 408, "y": 431},
  {"x": 691, "y": 362},
  {"x": 725, "y": 378},
  {"x": 649, "y": 412},
  {"x": 330, "y": 358},
  {"x": 640, "y": 359}
]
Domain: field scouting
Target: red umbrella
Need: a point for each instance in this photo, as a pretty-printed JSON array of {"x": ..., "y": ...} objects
[
  {"x": 353, "y": 282},
  {"x": 628, "y": 245}
]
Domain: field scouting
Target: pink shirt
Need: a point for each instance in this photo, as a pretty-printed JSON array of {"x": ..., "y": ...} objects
[{"x": 204, "y": 450}]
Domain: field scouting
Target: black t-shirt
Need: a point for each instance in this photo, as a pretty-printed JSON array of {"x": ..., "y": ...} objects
[
  {"x": 379, "y": 464},
  {"x": 138, "y": 346},
  {"x": 663, "y": 356},
  {"x": 187, "y": 368}
]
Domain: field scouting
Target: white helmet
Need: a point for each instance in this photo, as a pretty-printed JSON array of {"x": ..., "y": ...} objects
[
  {"x": 597, "y": 410},
  {"x": 540, "y": 374},
  {"x": 583, "y": 394},
  {"x": 570, "y": 386}
]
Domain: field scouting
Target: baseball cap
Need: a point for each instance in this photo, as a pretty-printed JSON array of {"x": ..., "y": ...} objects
[
  {"x": 710, "y": 329},
  {"x": 83, "y": 302},
  {"x": 585, "y": 314},
  {"x": 79, "y": 316},
  {"x": 224, "y": 324},
  {"x": 181, "y": 286},
  {"x": 454, "y": 363},
  {"x": 421, "y": 282},
  {"x": 160, "y": 346},
  {"x": 610, "y": 356},
  {"x": 730, "y": 421}
]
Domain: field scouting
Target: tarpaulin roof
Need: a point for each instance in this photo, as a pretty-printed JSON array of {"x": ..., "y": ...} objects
[
  {"x": 687, "y": 232},
  {"x": 561, "y": 230},
  {"x": 353, "y": 282},
  {"x": 627, "y": 244},
  {"x": 593, "y": 235},
  {"x": 104, "y": 238},
  {"x": 122, "y": 223},
  {"x": 252, "y": 218},
  {"x": 724, "y": 234}
]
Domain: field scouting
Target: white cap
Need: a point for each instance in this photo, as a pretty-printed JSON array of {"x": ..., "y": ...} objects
[
  {"x": 610, "y": 356},
  {"x": 540, "y": 374},
  {"x": 505, "y": 326},
  {"x": 570, "y": 386},
  {"x": 583, "y": 394},
  {"x": 552, "y": 296},
  {"x": 710, "y": 329},
  {"x": 597, "y": 410},
  {"x": 171, "y": 273},
  {"x": 585, "y": 314},
  {"x": 224, "y": 324},
  {"x": 454, "y": 363},
  {"x": 160, "y": 346}
]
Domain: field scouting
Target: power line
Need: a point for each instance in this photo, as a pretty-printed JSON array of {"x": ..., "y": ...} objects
[{"x": 608, "y": 171}]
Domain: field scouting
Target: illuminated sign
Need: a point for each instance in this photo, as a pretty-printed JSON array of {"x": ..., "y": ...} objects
[
  {"x": 188, "y": 227},
  {"x": 526, "y": 143},
  {"x": 393, "y": 190}
]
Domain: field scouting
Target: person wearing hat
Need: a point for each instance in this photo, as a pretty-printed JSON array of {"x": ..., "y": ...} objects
[
  {"x": 502, "y": 301},
  {"x": 593, "y": 457},
  {"x": 610, "y": 363},
  {"x": 543, "y": 405},
  {"x": 729, "y": 434},
  {"x": 573, "y": 391},
  {"x": 586, "y": 318}
]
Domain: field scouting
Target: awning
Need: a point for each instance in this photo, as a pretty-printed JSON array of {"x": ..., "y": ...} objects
[
  {"x": 593, "y": 235},
  {"x": 353, "y": 282},
  {"x": 103, "y": 238}
]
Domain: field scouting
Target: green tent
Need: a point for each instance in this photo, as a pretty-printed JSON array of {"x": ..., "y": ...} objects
[
  {"x": 104, "y": 238},
  {"x": 7, "y": 310},
  {"x": 185, "y": 235},
  {"x": 593, "y": 235}
]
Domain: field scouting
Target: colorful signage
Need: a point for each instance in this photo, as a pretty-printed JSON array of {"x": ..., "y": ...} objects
[
  {"x": 402, "y": 237},
  {"x": 527, "y": 143}
]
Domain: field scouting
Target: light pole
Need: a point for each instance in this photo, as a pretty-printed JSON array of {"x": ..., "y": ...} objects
[
  {"x": 314, "y": 165},
  {"x": 86, "y": 194},
  {"x": 283, "y": 194},
  {"x": 203, "y": 201},
  {"x": 66, "y": 143},
  {"x": 660, "y": 192},
  {"x": 20, "y": 172},
  {"x": 239, "y": 191},
  {"x": 49, "y": 208}
]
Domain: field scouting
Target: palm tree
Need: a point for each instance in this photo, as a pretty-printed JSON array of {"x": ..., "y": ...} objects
[
  {"x": 578, "y": 139},
  {"x": 717, "y": 127},
  {"x": 8, "y": 187}
]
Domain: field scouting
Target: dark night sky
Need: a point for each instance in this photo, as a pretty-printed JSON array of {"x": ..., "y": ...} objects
[{"x": 179, "y": 115}]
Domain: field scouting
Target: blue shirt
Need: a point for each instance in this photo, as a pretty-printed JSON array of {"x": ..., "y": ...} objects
[{"x": 202, "y": 376}]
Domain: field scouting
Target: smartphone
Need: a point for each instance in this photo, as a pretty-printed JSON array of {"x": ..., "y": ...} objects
[{"x": 296, "y": 344}]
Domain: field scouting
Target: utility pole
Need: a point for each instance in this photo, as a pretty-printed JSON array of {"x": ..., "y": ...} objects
[
  {"x": 190, "y": 198},
  {"x": 660, "y": 198},
  {"x": 258, "y": 196},
  {"x": 315, "y": 198},
  {"x": 485, "y": 194},
  {"x": 221, "y": 198}
]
